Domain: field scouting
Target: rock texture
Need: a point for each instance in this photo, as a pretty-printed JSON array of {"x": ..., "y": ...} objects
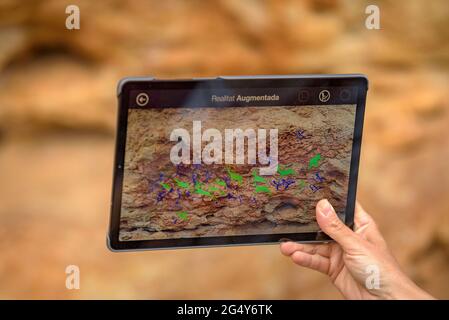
[
  {"x": 150, "y": 212},
  {"x": 57, "y": 124}
]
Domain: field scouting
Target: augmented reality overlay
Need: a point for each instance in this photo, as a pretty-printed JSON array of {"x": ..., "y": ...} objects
[{"x": 165, "y": 198}]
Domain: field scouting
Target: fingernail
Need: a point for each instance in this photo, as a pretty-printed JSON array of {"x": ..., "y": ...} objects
[{"x": 325, "y": 207}]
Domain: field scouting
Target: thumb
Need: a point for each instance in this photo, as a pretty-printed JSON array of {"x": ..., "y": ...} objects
[{"x": 331, "y": 224}]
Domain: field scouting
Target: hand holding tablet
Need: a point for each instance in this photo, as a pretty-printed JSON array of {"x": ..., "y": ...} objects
[{"x": 359, "y": 263}]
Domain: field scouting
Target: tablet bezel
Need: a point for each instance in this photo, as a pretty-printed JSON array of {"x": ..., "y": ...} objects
[{"x": 359, "y": 81}]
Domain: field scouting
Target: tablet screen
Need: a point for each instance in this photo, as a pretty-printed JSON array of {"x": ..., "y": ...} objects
[{"x": 233, "y": 163}]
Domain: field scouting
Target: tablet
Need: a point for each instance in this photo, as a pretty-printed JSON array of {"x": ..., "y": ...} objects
[{"x": 233, "y": 160}]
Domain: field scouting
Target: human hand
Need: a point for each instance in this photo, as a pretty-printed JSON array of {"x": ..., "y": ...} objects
[{"x": 351, "y": 259}]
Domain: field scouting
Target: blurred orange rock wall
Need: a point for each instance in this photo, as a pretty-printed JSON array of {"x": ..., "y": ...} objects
[{"x": 57, "y": 123}]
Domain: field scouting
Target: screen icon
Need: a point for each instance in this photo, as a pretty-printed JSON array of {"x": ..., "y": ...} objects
[
  {"x": 324, "y": 95},
  {"x": 303, "y": 95},
  {"x": 142, "y": 99},
  {"x": 345, "y": 95}
]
